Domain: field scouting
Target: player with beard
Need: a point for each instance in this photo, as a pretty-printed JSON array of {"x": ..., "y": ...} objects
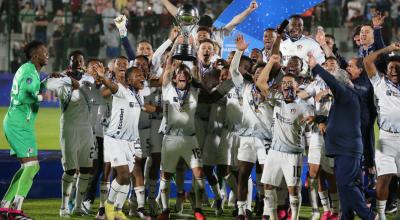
[
  {"x": 76, "y": 134},
  {"x": 321, "y": 167},
  {"x": 299, "y": 45},
  {"x": 180, "y": 100},
  {"x": 284, "y": 158},
  {"x": 387, "y": 97},
  {"x": 19, "y": 128},
  {"x": 117, "y": 74}
]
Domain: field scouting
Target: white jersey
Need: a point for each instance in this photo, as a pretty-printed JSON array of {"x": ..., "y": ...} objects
[
  {"x": 257, "y": 118},
  {"x": 125, "y": 113},
  {"x": 387, "y": 101},
  {"x": 288, "y": 128},
  {"x": 75, "y": 103},
  {"x": 300, "y": 48},
  {"x": 217, "y": 116},
  {"x": 317, "y": 86},
  {"x": 179, "y": 111},
  {"x": 234, "y": 111}
]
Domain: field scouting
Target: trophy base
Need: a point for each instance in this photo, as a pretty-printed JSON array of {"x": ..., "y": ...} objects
[{"x": 184, "y": 52}]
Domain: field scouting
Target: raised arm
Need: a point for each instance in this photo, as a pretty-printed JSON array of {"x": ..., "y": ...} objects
[
  {"x": 172, "y": 9},
  {"x": 240, "y": 17},
  {"x": 120, "y": 21},
  {"x": 241, "y": 46},
  {"x": 262, "y": 81},
  {"x": 156, "y": 60},
  {"x": 320, "y": 38},
  {"x": 369, "y": 61},
  {"x": 377, "y": 22},
  {"x": 113, "y": 87}
]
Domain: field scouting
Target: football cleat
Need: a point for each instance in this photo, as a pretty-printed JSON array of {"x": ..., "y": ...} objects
[{"x": 198, "y": 214}]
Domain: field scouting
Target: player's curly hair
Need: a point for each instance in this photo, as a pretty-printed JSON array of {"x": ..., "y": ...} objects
[{"x": 31, "y": 47}]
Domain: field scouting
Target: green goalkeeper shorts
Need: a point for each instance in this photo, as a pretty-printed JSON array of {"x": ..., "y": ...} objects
[{"x": 21, "y": 139}]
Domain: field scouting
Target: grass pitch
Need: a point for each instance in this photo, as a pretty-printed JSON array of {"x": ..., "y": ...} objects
[
  {"x": 47, "y": 209},
  {"x": 47, "y": 129}
]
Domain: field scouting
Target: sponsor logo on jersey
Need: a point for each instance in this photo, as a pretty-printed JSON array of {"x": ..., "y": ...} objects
[
  {"x": 299, "y": 47},
  {"x": 293, "y": 110}
]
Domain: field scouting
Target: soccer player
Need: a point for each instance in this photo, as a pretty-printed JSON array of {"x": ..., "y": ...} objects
[
  {"x": 387, "y": 97},
  {"x": 285, "y": 157},
  {"x": 299, "y": 45},
  {"x": 180, "y": 100},
  {"x": 116, "y": 73},
  {"x": 19, "y": 128},
  {"x": 254, "y": 130},
  {"x": 343, "y": 141},
  {"x": 98, "y": 111},
  {"x": 122, "y": 136},
  {"x": 269, "y": 38},
  {"x": 76, "y": 134}
]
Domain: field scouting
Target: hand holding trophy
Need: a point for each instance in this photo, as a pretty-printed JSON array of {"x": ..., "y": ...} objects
[{"x": 187, "y": 18}]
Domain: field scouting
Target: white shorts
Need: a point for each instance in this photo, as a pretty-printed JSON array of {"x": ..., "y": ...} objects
[
  {"x": 145, "y": 143},
  {"x": 155, "y": 136},
  {"x": 317, "y": 155},
  {"x": 176, "y": 147},
  {"x": 210, "y": 149},
  {"x": 228, "y": 148},
  {"x": 387, "y": 158},
  {"x": 279, "y": 165},
  {"x": 121, "y": 152},
  {"x": 252, "y": 149},
  {"x": 77, "y": 147}
]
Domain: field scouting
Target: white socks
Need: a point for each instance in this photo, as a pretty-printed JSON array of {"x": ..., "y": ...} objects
[
  {"x": 121, "y": 197},
  {"x": 17, "y": 202},
  {"x": 242, "y": 206},
  {"x": 295, "y": 203},
  {"x": 114, "y": 190},
  {"x": 164, "y": 193},
  {"x": 323, "y": 196},
  {"x": 81, "y": 187},
  {"x": 312, "y": 190},
  {"x": 66, "y": 188},
  {"x": 249, "y": 193},
  {"x": 140, "y": 195},
  {"x": 270, "y": 199},
  {"x": 380, "y": 208}
]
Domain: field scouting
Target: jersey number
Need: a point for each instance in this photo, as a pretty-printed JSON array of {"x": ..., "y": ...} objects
[
  {"x": 297, "y": 171},
  {"x": 196, "y": 153}
]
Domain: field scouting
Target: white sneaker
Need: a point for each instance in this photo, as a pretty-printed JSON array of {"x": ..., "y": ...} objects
[
  {"x": 86, "y": 206},
  {"x": 64, "y": 213},
  {"x": 315, "y": 216}
]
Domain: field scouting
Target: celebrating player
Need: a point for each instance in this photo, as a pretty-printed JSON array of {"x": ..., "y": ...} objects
[{"x": 19, "y": 128}]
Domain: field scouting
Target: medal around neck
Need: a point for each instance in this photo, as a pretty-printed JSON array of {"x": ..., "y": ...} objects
[{"x": 187, "y": 18}]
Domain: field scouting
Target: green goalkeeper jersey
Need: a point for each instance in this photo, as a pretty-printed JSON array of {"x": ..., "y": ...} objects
[{"x": 24, "y": 104}]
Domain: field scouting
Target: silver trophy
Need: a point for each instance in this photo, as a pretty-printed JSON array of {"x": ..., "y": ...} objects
[{"x": 187, "y": 18}]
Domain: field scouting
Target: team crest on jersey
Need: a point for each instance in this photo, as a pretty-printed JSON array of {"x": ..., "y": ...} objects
[
  {"x": 299, "y": 47},
  {"x": 293, "y": 110},
  {"x": 29, "y": 80}
]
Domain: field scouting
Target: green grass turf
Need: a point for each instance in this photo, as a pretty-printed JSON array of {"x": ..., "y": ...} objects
[
  {"x": 47, "y": 209},
  {"x": 47, "y": 129}
]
